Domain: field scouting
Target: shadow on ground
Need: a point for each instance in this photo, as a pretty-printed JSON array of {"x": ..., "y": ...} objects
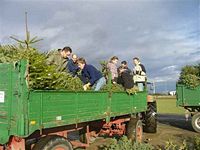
[{"x": 177, "y": 121}]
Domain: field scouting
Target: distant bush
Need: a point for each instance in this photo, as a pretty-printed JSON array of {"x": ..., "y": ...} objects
[{"x": 190, "y": 76}]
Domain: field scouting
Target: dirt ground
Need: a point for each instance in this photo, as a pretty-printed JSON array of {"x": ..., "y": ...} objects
[{"x": 170, "y": 127}]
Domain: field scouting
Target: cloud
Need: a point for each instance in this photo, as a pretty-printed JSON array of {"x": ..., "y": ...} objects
[
  {"x": 195, "y": 53},
  {"x": 169, "y": 68},
  {"x": 164, "y": 34}
]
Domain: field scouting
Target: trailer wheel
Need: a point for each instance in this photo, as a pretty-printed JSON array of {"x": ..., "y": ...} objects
[
  {"x": 196, "y": 122},
  {"x": 150, "y": 118},
  {"x": 134, "y": 130},
  {"x": 53, "y": 142}
]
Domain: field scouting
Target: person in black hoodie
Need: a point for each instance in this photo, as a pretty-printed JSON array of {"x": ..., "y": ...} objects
[
  {"x": 124, "y": 64},
  {"x": 125, "y": 78}
]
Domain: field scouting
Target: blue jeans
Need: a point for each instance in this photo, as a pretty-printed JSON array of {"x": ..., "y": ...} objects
[
  {"x": 140, "y": 86},
  {"x": 99, "y": 84}
]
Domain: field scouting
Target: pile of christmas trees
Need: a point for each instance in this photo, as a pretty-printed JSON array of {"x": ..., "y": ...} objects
[
  {"x": 40, "y": 75},
  {"x": 190, "y": 76}
]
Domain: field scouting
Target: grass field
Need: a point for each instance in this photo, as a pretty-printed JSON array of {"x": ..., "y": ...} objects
[{"x": 167, "y": 105}]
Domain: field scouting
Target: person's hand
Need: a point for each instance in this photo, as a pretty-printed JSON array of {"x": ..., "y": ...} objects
[
  {"x": 143, "y": 73},
  {"x": 86, "y": 86}
]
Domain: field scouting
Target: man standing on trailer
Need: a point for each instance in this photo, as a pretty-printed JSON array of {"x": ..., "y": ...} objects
[
  {"x": 139, "y": 74},
  {"x": 60, "y": 58}
]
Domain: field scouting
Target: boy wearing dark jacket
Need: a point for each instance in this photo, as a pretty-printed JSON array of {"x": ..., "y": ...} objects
[
  {"x": 90, "y": 76},
  {"x": 125, "y": 78}
]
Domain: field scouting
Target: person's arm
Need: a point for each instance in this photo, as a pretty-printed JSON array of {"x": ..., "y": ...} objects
[
  {"x": 92, "y": 73},
  {"x": 87, "y": 75},
  {"x": 84, "y": 79},
  {"x": 143, "y": 68},
  {"x": 70, "y": 66},
  {"x": 75, "y": 70},
  {"x": 50, "y": 60}
]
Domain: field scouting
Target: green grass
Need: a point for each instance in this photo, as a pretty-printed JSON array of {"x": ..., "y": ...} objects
[{"x": 167, "y": 105}]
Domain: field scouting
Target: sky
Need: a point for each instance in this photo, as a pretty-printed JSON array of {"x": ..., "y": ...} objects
[{"x": 164, "y": 34}]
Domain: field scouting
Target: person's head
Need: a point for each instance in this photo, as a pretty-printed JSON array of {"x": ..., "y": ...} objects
[
  {"x": 74, "y": 57},
  {"x": 114, "y": 59},
  {"x": 136, "y": 60},
  {"x": 121, "y": 69},
  {"x": 59, "y": 50},
  {"x": 124, "y": 64},
  {"x": 66, "y": 52},
  {"x": 81, "y": 63}
]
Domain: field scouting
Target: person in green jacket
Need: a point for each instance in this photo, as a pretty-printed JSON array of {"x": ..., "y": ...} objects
[{"x": 60, "y": 58}]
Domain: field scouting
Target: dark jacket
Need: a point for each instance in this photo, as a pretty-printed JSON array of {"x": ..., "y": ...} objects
[
  {"x": 90, "y": 74},
  {"x": 126, "y": 79},
  {"x": 72, "y": 67},
  {"x": 143, "y": 69}
]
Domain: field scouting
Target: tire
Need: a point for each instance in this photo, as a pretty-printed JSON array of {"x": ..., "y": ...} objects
[
  {"x": 150, "y": 118},
  {"x": 52, "y": 142},
  {"x": 134, "y": 130},
  {"x": 196, "y": 122}
]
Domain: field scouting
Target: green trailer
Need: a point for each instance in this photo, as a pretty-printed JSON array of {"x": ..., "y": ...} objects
[
  {"x": 190, "y": 99},
  {"x": 43, "y": 119}
]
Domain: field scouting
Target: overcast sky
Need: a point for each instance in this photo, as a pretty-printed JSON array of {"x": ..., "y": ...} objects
[{"x": 165, "y": 34}]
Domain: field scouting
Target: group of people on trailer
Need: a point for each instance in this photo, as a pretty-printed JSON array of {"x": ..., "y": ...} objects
[{"x": 92, "y": 77}]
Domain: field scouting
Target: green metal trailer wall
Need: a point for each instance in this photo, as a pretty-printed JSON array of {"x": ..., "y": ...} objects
[
  {"x": 24, "y": 111},
  {"x": 12, "y": 114},
  {"x": 187, "y": 96},
  {"x": 57, "y": 108}
]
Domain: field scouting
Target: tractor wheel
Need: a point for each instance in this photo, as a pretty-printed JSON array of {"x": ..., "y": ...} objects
[
  {"x": 134, "y": 130},
  {"x": 150, "y": 118},
  {"x": 196, "y": 122},
  {"x": 52, "y": 142}
]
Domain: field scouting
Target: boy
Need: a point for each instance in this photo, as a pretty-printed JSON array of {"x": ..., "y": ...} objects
[{"x": 90, "y": 76}]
